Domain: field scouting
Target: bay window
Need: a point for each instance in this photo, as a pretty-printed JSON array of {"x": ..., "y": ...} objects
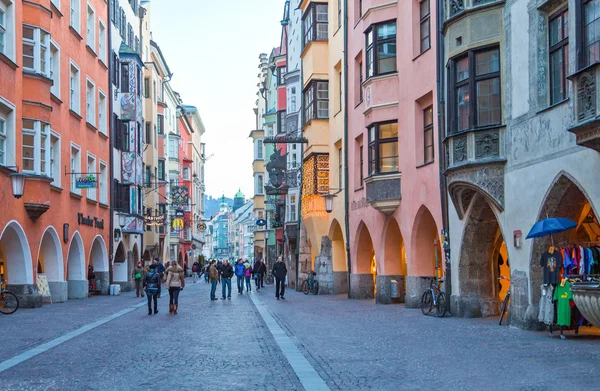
[
  {"x": 591, "y": 31},
  {"x": 314, "y": 23},
  {"x": 381, "y": 49},
  {"x": 559, "y": 56},
  {"x": 36, "y": 50},
  {"x": 36, "y": 147},
  {"x": 383, "y": 148},
  {"x": 316, "y": 100},
  {"x": 476, "y": 94}
]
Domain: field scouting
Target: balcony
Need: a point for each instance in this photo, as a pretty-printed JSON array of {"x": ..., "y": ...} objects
[
  {"x": 384, "y": 192},
  {"x": 586, "y": 122},
  {"x": 476, "y": 162}
]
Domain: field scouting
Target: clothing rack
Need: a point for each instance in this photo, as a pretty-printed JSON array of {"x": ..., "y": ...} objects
[{"x": 577, "y": 243}]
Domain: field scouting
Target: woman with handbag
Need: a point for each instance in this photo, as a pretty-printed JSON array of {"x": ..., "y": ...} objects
[{"x": 175, "y": 283}]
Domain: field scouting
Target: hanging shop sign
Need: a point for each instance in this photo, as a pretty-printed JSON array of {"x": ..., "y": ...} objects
[
  {"x": 90, "y": 221},
  {"x": 155, "y": 220},
  {"x": 194, "y": 247},
  {"x": 180, "y": 194},
  {"x": 179, "y": 213},
  {"x": 261, "y": 222},
  {"x": 201, "y": 227},
  {"x": 86, "y": 182}
]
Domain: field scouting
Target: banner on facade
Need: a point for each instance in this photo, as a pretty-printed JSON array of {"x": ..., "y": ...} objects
[
  {"x": 86, "y": 182},
  {"x": 179, "y": 194}
]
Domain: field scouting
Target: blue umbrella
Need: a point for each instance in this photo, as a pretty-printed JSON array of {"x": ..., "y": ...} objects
[{"x": 550, "y": 226}]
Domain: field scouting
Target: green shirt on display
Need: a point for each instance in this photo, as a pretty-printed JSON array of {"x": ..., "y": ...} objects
[{"x": 564, "y": 295}]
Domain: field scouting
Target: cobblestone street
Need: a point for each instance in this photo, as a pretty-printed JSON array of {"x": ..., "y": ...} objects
[{"x": 226, "y": 345}]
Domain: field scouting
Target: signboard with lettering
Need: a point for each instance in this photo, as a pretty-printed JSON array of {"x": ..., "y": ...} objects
[
  {"x": 86, "y": 182},
  {"x": 155, "y": 220},
  {"x": 90, "y": 221}
]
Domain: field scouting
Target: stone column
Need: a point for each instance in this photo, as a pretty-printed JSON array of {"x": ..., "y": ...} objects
[
  {"x": 27, "y": 294},
  {"x": 58, "y": 291},
  {"x": 324, "y": 267},
  {"x": 361, "y": 286},
  {"x": 415, "y": 287},
  {"x": 384, "y": 289},
  {"x": 77, "y": 289},
  {"x": 103, "y": 282},
  {"x": 340, "y": 282}
]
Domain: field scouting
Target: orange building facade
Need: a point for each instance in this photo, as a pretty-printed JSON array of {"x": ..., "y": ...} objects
[{"x": 54, "y": 121}]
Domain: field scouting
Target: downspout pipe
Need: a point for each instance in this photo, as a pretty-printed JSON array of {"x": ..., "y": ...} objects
[
  {"x": 346, "y": 175},
  {"x": 111, "y": 126},
  {"x": 441, "y": 131}
]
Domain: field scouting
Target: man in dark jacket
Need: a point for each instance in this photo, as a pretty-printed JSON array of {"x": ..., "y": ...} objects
[
  {"x": 226, "y": 274},
  {"x": 279, "y": 272},
  {"x": 152, "y": 286},
  {"x": 259, "y": 271}
]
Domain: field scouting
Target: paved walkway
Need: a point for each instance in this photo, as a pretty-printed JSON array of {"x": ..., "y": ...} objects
[{"x": 254, "y": 342}]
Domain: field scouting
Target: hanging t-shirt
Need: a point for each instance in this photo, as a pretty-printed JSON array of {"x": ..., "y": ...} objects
[
  {"x": 546, "y": 314},
  {"x": 551, "y": 264},
  {"x": 563, "y": 294}
]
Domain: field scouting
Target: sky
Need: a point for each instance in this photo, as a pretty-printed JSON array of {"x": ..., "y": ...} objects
[{"x": 212, "y": 48}]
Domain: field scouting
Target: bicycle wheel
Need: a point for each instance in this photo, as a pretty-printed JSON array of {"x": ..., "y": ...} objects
[
  {"x": 426, "y": 302},
  {"x": 268, "y": 280},
  {"x": 504, "y": 308},
  {"x": 305, "y": 287},
  {"x": 441, "y": 306},
  {"x": 9, "y": 303},
  {"x": 315, "y": 287}
]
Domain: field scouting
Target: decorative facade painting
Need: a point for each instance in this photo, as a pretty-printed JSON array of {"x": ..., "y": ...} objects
[
  {"x": 129, "y": 103},
  {"x": 134, "y": 225},
  {"x": 180, "y": 195},
  {"x": 128, "y": 167}
]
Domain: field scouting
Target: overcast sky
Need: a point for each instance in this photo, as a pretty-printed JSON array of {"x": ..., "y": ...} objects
[{"x": 212, "y": 48}]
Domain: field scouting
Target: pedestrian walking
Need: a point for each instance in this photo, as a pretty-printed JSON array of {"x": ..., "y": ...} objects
[
  {"x": 195, "y": 271},
  {"x": 226, "y": 274},
  {"x": 175, "y": 283},
  {"x": 213, "y": 276},
  {"x": 248, "y": 275},
  {"x": 205, "y": 271},
  {"x": 91, "y": 277},
  {"x": 151, "y": 284},
  {"x": 279, "y": 272},
  {"x": 138, "y": 275},
  {"x": 259, "y": 271},
  {"x": 160, "y": 269},
  {"x": 240, "y": 273}
]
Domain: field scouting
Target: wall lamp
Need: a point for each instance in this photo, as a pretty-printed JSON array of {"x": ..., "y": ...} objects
[
  {"x": 18, "y": 182},
  {"x": 329, "y": 199}
]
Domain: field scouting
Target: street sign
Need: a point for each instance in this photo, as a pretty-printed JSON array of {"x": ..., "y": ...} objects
[{"x": 86, "y": 182}]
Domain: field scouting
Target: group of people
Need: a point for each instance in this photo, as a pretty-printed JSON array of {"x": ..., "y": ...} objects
[{"x": 150, "y": 281}]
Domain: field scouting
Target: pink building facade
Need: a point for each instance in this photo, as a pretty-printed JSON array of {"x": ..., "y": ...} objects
[{"x": 394, "y": 207}]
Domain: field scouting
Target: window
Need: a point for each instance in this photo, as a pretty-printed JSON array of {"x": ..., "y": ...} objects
[
  {"x": 122, "y": 134},
  {"x": 102, "y": 111},
  {"x": 424, "y": 13},
  {"x": 125, "y": 77},
  {"x": 90, "y": 102},
  {"x": 281, "y": 76},
  {"x": 383, "y": 148},
  {"x": 173, "y": 149},
  {"x": 381, "y": 49},
  {"x": 54, "y": 169},
  {"x": 75, "y": 168},
  {"x": 55, "y": 69},
  {"x": 339, "y": 84},
  {"x": 428, "y": 134},
  {"x": 360, "y": 8},
  {"x": 147, "y": 177},
  {"x": 161, "y": 170},
  {"x": 149, "y": 133},
  {"x": 340, "y": 169},
  {"x": 361, "y": 161},
  {"x": 122, "y": 30},
  {"x": 130, "y": 38},
  {"x": 91, "y": 170},
  {"x": 103, "y": 183},
  {"x": 74, "y": 84},
  {"x": 314, "y": 23},
  {"x": 36, "y": 147},
  {"x": 559, "y": 56},
  {"x": 259, "y": 185},
  {"x": 114, "y": 67},
  {"x": 3, "y": 127},
  {"x": 294, "y": 156},
  {"x": 316, "y": 100},
  {"x": 146, "y": 88},
  {"x": 36, "y": 50},
  {"x": 339, "y": 13},
  {"x": 75, "y": 15},
  {"x": 154, "y": 89},
  {"x": 161, "y": 124},
  {"x": 591, "y": 31},
  {"x": 91, "y": 28},
  {"x": 476, "y": 98},
  {"x": 186, "y": 173},
  {"x": 292, "y": 211},
  {"x": 101, "y": 41},
  {"x": 293, "y": 100},
  {"x": 259, "y": 150},
  {"x": 281, "y": 121},
  {"x": 3, "y": 27},
  {"x": 7, "y": 133}
]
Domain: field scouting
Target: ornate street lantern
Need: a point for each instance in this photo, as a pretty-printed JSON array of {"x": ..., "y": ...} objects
[{"x": 18, "y": 184}]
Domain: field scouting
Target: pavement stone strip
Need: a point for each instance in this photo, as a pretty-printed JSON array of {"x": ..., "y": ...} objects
[{"x": 254, "y": 342}]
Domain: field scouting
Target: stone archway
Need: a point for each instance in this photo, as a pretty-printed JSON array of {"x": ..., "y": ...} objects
[
  {"x": 477, "y": 271},
  {"x": 120, "y": 265},
  {"x": 99, "y": 261},
  {"x": 565, "y": 198},
  {"x": 77, "y": 283},
  {"x": 16, "y": 266},
  {"x": 425, "y": 247},
  {"x": 362, "y": 279},
  {"x": 339, "y": 263},
  {"x": 51, "y": 258},
  {"x": 393, "y": 266}
]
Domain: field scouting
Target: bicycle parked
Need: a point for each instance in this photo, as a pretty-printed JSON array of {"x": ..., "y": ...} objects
[
  {"x": 310, "y": 285},
  {"x": 434, "y": 296},
  {"x": 505, "y": 303},
  {"x": 9, "y": 303},
  {"x": 269, "y": 279}
]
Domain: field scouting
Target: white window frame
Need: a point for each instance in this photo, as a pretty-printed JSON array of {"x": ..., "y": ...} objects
[
  {"x": 103, "y": 182},
  {"x": 56, "y": 4},
  {"x": 90, "y": 101},
  {"x": 7, "y": 29},
  {"x": 55, "y": 157},
  {"x": 259, "y": 184},
  {"x": 102, "y": 41},
  {"x": 186, "y": 174},
  {"x": 41, "y": 142},
  {"x": 259, "y": 153},
  {"x": 41, "y": 50},
  {"x": 91, "y": 194},
  {"x": 293, "y": 216},
  {"x": 90, "y": 27},
  {"x": 8, "y": 117},
  {"x": 55, "y": 68},
  {"x": 75, "y": 15},
  {"x": 102, "y": 111},
  {"x": 74, "y": 88},
  {"x": 75, "y": 163}
]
